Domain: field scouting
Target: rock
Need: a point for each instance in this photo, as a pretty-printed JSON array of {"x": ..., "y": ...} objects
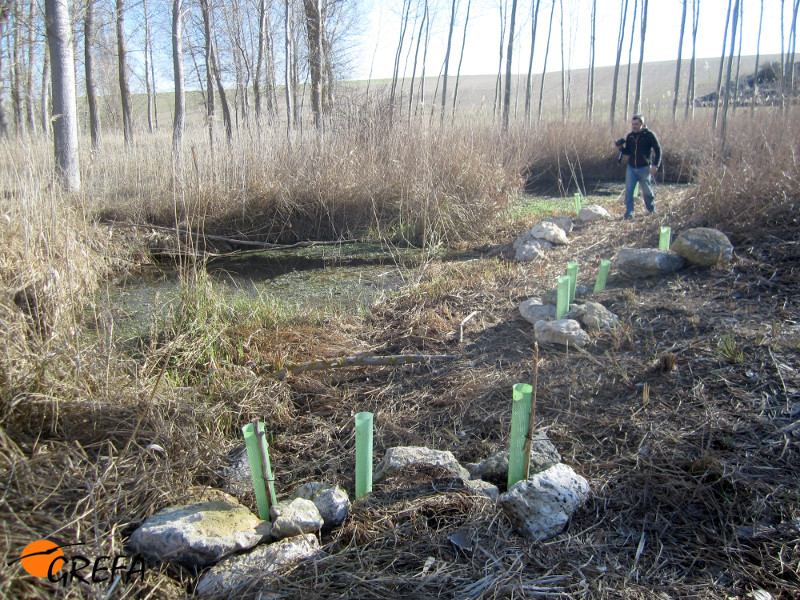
[
  {"x": 236, "y": 473},
  {"x": 332, "y": 501},
  {"x": 593, "y": 315},
  {"x": 541, "y": 506},
  {"x": 581, "y": 291},
  {"x": 234, "y": 575},
  {"x": 761, "y": 595},
  {"x": 532, "y": 250},
  {"x": 562, "y": 332},
  {"x": 295, "y": 517},
  {"x": 564, "y": 222},
  {"x": 648, "y": 262},
  {"x": 703, "y": 246},
  {"x": 479, "y": 487},
  {"x": 532, "y": 310},
  {"x": 197, "y": 535},
  {"x": 549, "y": 231},
  {"x": 403, "y": 456},
  {"x": 593, "y": 212},
  {"x": 495, "y": 468}
]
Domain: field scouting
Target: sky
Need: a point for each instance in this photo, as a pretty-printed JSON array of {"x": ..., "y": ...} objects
[{"x": 381, "y": 20}]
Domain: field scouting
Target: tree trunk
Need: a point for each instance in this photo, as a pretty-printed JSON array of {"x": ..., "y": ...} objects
[
  {"x": 638, "y": 102},
  {"x": 213, "y": 60},
  {"x": 398, "y": 54},
  {"x": 288, "y": 81},
  {"x": 447, "y": 59},
  {"x": 722, "y": 64},
  {"x": 728, "y": 72},
  {"x": 207, "y": 43},
  {"x": 630, "y": 61},
  {"x": 45, "y": 97},
  {"x": 88, "y": 63},
  {"x": 793, "y": 46},
  {"x": 16, "y": 65},
  {"x": 124, "y": 88},
  {"x": 738, "y": 55},
  {"x": 590, "y": 84},
  {"x": 620, "y": 40},
  {"x": 535, "y": 4},
  {"x": 498, "y": 83},
  {"x": 314, "y": 29},
  {"x": 678, "y": 67},
  {"x": 546, "y": 53},
  {"x": 177, "y": 67},
  {"x": 509, "y": 53},
  {"x": 758, "y": 56},
  {"x": 564, "y": 87},
  {"x": 690, "y": 89},
  {"x": 65, "y": 113},
  {"x": 461, "y": 59},
  {"x": 416, "y": 58},
  {"x": 148, "y": 88},
  {"x": 260, "y": 59},
  {"x": 29, "y": 110},
  {"x": 4, "y": 13}
]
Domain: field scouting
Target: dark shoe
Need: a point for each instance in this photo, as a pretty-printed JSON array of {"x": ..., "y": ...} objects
[
  {"x": 627, "y": 216},
  {"x": 652, "y": 212}
]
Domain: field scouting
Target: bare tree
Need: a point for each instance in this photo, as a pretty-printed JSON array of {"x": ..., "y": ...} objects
[
  {"x": 314, "y": 28},
  {"x": 122, "y": 62},
  {"x": 638, "y": 99},
  {"x": 461, "y": 58},
  {"x": 502, "y": 4},
  {"x": 398, "y": 54},
  {"x": 45, "y": 97},
  {"x": 690, "y": 88},
  {"x": 728, "y": 71},
  {"x": 620, "y": 39},
  {"x": 213, "y": 61},
  {"x": 564, "y": 84},
  {"x": 88, "y": 65},
  {"x": 148, "y": 88},
  {"x": 754, "y": 97},
  {"x": 722, "y": 64},
  {"x": 416, "y": 58},
  {"x": 263, "y": 39},
  {"x": 288, "y": 47},
  {"x": 5, "y": 11},
  {"x": 177, "y": 67},
  {"x": 16, "y": 66},
  {"x": 739, "y": 54},
  {"x": 630, "y": 56},
  {"x": 793, "y": 45},
  {"x": 207, "y": 55},
  {"x": 509, "y": 53},
  {"x": 535, "y": 4},
  {"x": 678, "y": 66},
  {"x": 590, "y": 84},
  {"x": 546, "y": 53},
  {"x": 447, "y": 59},
  {"x": 65, "y": 113},
  {"x": 29, "y": 111}
]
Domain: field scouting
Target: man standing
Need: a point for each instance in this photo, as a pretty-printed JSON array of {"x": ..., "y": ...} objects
[{"x": 644, "y": 160}]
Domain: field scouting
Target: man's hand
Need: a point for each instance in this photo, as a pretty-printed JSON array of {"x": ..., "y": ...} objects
[{"x": 653, "y": 170}]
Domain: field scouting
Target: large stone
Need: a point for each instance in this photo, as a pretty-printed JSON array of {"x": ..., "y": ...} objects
[
  {"x": 532, "y": 310},
  {"x": 549, "y": 231},
  {"x": 404, "y": 456},
  {"x": 495, "y": 468},
  {"x": 593, "y": 315},
  {"x": 479, "y": 487},
  {"x": 295, "y": 517},
  {"x": 532, "y": 250},
  {"x": 648, "y": 262},
  {"x": 258, "y": 568},
  {"x": 332, "y": 501},
  {"x": 703, "y": 246},
  {"x": 541, "y": 506},
  {"x": 563, "y": 332},
  {"x": 197, "y": 535},
  {"x": 564, "y": 222},
  {"x": 593, "y": 212}
]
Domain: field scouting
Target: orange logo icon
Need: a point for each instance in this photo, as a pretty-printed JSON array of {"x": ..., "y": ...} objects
[{"x": 42, "y": 558}]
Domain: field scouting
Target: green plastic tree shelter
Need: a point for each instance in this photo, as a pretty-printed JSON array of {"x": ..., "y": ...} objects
[
  {"x": 572, "y": 273},
  {"x": 562, "y": 300},
  {"x": 522, "y": 395},
  {"x": 602, "y": 275},
  {"x": 258, "y": 455},
  {"x": 665, "y": 238},
  {"x": 577, "y": 204},
  {"x": 363, "y": 453}
]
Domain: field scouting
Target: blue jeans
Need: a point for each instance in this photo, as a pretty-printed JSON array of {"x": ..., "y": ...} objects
[{"x": 640, "y": 175}]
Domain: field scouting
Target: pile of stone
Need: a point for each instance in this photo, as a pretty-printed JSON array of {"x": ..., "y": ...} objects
[
  {"x": 543, "y": 236},
  {"x": 235, "y": 550}
]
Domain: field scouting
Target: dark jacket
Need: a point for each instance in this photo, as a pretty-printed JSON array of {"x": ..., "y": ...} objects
[{"x": 640, "y": 146}]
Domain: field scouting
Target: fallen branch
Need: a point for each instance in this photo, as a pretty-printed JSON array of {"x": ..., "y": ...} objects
[{"x": 357, "y": 361}]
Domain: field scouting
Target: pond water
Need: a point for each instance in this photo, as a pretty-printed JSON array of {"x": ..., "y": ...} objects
[{"x": 320, "y": 279}]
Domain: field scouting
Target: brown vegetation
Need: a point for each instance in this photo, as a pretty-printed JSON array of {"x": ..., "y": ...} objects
[{"x": 693, "y": 467}]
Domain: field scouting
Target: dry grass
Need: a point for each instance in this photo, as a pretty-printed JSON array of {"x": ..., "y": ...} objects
[{"x": 694, "y": 481}]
